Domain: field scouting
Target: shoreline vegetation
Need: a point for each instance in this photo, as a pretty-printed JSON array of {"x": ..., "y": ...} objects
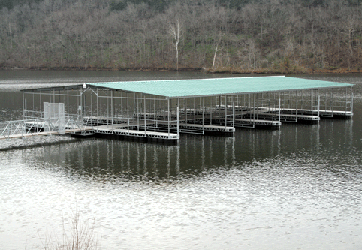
[
  {"x": 220, "y": 70},
  {"x": 214, "y": 36}
]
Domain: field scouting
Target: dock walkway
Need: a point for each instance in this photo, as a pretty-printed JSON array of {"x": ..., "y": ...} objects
[
  {"x": 323, "y": 113},
  {"x": 131, "y": 131},
  {"x": 257, "y": 123},
  {"x": 44, "y": 133},
  {"x": 308, "y": 119},
  {"x": 208, "y": 129}
]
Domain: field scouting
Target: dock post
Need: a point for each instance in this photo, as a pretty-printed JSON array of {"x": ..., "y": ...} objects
[
  {"x": 112, "y": 111},
  {"x": 254, "y": 110},
  {"x": 203, "y": 115},
  {"x": 23, "y": 107},
  {"x": 194, "y": 110},
  {"x": 233, "y": 112},
  {"x": 226, "y": 111},
  {"x": 219, "y": 113},
  {"x": 319, "y": 100},
  {"x": 178, "y": 121},
  {"x": 279, "y": 109},
  {"x": 185, "y": 103},
  {"x": 80, "y": 121},
  {"x": 107, "y": 108},
  {"x": 331, "y": 102},
  {"x": 144, "y": 110},
  {"x": 137, "y": 112},
  {"x": 212, "y": 108},
  {"x": 154, "y": 111},
  {"x": 352, "y": 100},
  {"x": 168, "y": 117}
]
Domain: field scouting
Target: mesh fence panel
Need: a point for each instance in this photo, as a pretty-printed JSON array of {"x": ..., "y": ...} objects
[{"x": 54, "y": 116}]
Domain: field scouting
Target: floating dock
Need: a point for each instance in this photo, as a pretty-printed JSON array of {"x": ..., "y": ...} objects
[
  {"x": 256, "y": 123},
  {"x": 321, "y": 113},
  {"x": 207, "y": 129},
  {"x": 305, "y": 119}
]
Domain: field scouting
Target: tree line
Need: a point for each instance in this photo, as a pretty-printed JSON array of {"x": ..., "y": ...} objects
[{"x": 286, "y": 36}]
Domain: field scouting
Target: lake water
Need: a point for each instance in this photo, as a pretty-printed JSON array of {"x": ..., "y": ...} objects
[{"x": 296, "y": 188}]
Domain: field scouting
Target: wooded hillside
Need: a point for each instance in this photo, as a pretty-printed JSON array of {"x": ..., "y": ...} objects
[{"x": 283, "y": 36}]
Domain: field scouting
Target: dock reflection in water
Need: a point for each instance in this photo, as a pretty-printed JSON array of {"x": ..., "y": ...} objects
[
  {"x": 135, "y": 161},
  {"x": 194, "y": 155}
]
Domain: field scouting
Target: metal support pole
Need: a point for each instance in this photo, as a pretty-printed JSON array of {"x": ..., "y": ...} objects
[
  {"x": 154, "y": 111},
  {"x": 97, "y": 105},
  {"x": 121, "y": 106},
  {"x": 91, "y": 108},
  {"x": 107, "y": 108},
  {"x": 211, "y": 110},
  {"x": 137, "y": 113},
  {"x": 279, "y": 109},
  {"x": 352, "y": 100},
  {"x": 112, "y": 111},
  {"x": 134, "y": 104},
  {"x": 203, "y": 114},
  {"x": 168, "y": 117},
  {"x": 296, "y": 102},
  {"x": 194, "y": 110},
  {"x": 41, "y": 116},
  {"x": 332, "y": 102},
  {"x": 33, "y": 103},
  {"x": 219, "y": 113},
  {"x": 23, "y": 106},
  {"x": 185, "y": 101},
  {"x": 127, "y": 108},
  {"x": 254, "y": 110},
  {"x": 144, "y": 111},
  {"x": 226, "y": 111},
  {"x": 318, "y": 105},
  {"x": 81, "y": 105},
  {"x": 178, "y": 122},
  {"x": 233, "y": 112}
]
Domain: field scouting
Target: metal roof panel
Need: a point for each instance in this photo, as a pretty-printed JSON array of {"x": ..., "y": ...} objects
[{"x": 218, "y": 86}]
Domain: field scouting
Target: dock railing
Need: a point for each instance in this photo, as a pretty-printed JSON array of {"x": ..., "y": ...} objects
[{"x": 10, "y": 128}]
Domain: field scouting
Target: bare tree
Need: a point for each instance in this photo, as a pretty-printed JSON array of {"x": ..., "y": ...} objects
[
  {"x": 175, "y": 32},
  {"x": 216, "y": 50}
]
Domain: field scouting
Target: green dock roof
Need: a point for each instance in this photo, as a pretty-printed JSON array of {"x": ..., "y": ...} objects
[{"x": 218, "y": 86}]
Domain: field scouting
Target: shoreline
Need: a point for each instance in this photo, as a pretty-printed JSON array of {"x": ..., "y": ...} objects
[{"x": 225, "y": 70}]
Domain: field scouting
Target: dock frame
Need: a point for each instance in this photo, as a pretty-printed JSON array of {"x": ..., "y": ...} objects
[{"x": 90, "y": 109}]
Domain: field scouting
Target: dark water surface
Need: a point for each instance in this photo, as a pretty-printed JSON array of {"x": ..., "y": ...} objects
[{"x": 297, "y": 188}]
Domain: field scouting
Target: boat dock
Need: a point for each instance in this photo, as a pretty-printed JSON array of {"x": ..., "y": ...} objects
[{"x": 162, "y": 110}]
